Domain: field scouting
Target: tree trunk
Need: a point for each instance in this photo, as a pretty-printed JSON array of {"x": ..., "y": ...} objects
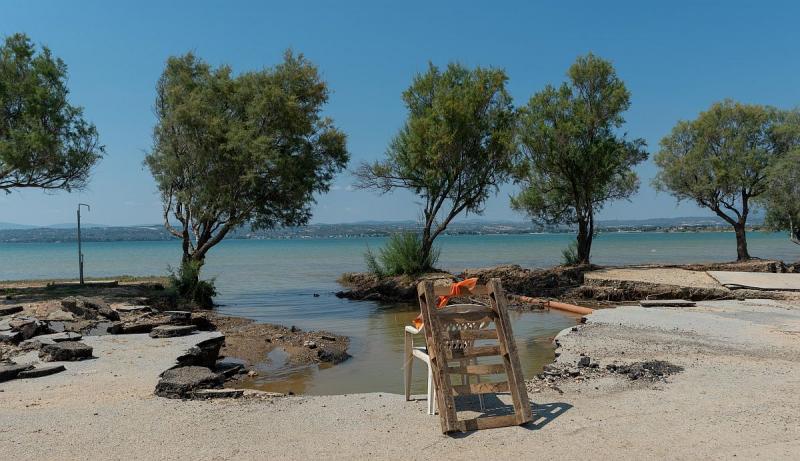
[
  {"x": 585, "y": 231},
  {"x": 741, "y": 242},
  {"x": 427, "y": 246}
]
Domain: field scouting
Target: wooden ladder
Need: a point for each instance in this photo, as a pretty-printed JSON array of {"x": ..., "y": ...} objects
[{"x": 439, "y": 332}]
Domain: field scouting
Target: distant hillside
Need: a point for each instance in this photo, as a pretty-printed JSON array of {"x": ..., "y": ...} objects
[{"x": 156, "y": 232}]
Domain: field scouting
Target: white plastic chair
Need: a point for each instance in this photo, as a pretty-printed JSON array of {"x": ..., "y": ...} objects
[{"x": 421, "y": 353}]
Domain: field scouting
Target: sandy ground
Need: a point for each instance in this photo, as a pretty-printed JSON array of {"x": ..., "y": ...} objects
[
  {"x": 736, "y": 397},
  {"x": 665, "y": 276}
]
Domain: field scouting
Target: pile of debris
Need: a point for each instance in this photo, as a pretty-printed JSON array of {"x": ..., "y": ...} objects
[{"x": 556, "y": 374}]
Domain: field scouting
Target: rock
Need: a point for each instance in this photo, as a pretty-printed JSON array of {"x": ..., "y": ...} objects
[
  {"x": 102, "y": 308},
  {"x": 252, "y": 373},
  {"x": 182, "y": 382},
  {"x": 137, "y": 327},
  {"x": 584, "y": 361},
  {"x": 76, "y": 306},
  {"x": 179, "y": 316},
  {"x": 128, "y": 309},
  {"x": 67, "y": 351},
  {"x": 218, "y": 393},
  {"x": 204, "y": 354},
  {"x": 8, "y": 372},
  {"x": 332, "y": 355},
  {"x": 27, "y": 327},
  {"x": 293, "y": 329},
  {"x": 37, "y": 341},
  {"x": 10, "y": 337},
  {"x": 201, "y": 322},
  {"x": 41, "y": 371},
  {"x": 8, "y": 310},
  {"x": 4, "y": 326},
  {"x": 61, "y": 316},
  {"x": 171, "y": 331},
  {"x": 310, "y": 344},
  {"x": 229, "y": 369},
  {"x": 327, "y": 338},
  {"x": 34, "y": 343},
  {"x": 89, "y": 308}
]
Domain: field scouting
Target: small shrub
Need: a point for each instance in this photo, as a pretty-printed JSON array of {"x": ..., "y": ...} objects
[
  {"x": 402, "y": 255},
  {"x": 188, "y": 286},
  {"x": 569, "y": 254}
]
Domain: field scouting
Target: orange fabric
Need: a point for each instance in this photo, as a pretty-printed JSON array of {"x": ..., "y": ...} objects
[{"x": 455, "y": 290}]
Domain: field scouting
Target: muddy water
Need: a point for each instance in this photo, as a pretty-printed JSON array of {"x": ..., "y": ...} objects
[{"x": 377, "y": 349}]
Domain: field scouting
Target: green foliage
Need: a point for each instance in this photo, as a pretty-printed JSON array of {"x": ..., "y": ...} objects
[
  {"x": 402, "y": 255},
  {"x": 782, "y": 199},
  {"x": 569, "y": 255},
  {"x": 574, "y": 160},
  {"x": 229, "y": 150},
  {"x": 720, "y": 160},
  {"x": 44, "y": 141},
  {"x": 188, "y": 286},
  {"x": 455, "y": 148}
]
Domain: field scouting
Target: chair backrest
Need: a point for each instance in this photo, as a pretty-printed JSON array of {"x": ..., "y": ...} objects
[{"x": 451, "y": 333}]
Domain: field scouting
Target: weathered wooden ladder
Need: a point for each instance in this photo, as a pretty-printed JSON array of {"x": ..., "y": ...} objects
[{"x": 445, "y": 327}]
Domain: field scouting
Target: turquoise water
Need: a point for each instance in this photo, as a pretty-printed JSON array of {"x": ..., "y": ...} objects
[{"x": 274, "y": 281}]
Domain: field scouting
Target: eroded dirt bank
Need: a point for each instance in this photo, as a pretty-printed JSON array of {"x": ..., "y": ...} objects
[{"x": 580, "y": 284}]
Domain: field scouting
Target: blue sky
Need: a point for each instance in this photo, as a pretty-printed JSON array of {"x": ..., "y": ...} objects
[{"x": 676, "y": 58}]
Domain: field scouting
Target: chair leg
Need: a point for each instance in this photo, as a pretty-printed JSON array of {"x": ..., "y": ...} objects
[
  {"x": 431, "y": 392},
  {"x": 407, "y": 366}
]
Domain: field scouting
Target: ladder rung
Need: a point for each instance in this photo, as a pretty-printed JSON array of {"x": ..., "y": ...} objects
[
  {"x": 464, "y": 317},
  {"x": 478, "y": 370},
  {"x": 480, "y": 388},
  {"x": 472, "y": 352},
  {"x": 487, "y": 422},
  {"x": 472, "y": 334}
]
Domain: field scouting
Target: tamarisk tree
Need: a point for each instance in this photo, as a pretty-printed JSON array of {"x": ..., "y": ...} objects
[
  {"x": 234, "y": 150},
  {"x": 45, "y": 142},
  {"x": 721, "y": 160},
  {"x": 455, "y": 148},
  {"x": 782, "y": 199},
  {"x": 574, "y": 160}
]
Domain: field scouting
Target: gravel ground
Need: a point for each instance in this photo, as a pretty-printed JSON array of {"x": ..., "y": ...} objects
[{"x": 736, "y": 397}]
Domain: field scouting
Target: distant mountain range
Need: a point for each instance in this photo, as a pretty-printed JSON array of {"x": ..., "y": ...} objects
[{"x": 18, "y": 233}]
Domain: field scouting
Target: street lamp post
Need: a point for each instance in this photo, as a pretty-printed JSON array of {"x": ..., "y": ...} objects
[{"x": 80, "y": 253}]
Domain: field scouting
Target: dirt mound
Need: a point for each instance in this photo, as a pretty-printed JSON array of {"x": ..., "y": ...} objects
[
  {"x": 753, "y": 265},
  {"x": 653, "y": 370},
  {"x": 518, "y": 280},
  {"x": 402, "y": 288}
]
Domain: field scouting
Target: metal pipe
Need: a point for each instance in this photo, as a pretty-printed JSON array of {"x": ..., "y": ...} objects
[{"x": 80, "y": 252}]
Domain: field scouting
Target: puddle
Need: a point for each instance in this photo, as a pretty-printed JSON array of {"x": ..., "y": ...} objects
[{"x": 377, "y": 349}]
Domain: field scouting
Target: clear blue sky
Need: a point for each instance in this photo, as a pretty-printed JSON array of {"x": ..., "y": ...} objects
[{"x": 676, "y": 58}]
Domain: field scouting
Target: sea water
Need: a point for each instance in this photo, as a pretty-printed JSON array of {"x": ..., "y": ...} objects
[{"x": 275, "y": 281}]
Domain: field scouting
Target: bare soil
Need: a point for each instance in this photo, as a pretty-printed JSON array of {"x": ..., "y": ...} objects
[{"x": 252, "y": 342}]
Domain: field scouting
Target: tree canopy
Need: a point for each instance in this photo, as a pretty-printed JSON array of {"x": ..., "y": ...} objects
[
  {"x": 575, "y": 161},
  {"x": 782, "y": 199},
  {"x": 455, "y": 148},
  {"x": 230, "y": 150},
  {"x": 44, "y": 140},
  {"x": 720, "y": 160}
]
